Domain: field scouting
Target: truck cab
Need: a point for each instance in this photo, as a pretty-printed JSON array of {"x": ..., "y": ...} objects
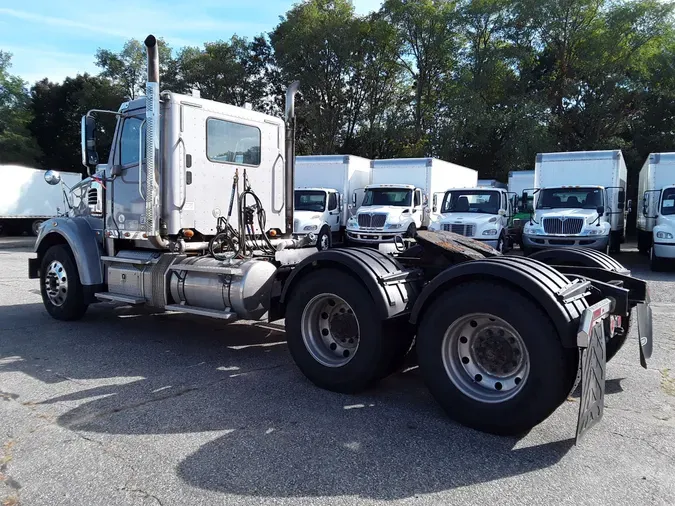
[
  {"x": 663, "y": 247},
  {"x": 388, "y": 211},
  {"x": 568, "y": 216},
  {"x": 317, "y": 211},
  {"x": 483, "y": 214}
]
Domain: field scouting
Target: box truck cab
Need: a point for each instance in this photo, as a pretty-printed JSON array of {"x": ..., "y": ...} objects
[
  {"x": 397, "y": 201},
  {"x": 579, "y": 200},
  {"x": 483, "y": 214},
  {"x": 656, "y": 218},
  {"x": 323, "y": 186}
]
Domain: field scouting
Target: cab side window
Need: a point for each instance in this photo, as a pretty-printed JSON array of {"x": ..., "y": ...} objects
[
  {"x": 332, "y": 202},
  {"x": 228, "y": 142},
  {"x": 418, "y": 199},
  {"x": 129, "y": 141}
]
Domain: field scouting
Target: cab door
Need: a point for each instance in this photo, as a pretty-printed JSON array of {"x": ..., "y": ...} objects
[{"x": 334, "y": 212}]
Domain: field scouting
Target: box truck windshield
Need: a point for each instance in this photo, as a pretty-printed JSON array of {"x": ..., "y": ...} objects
[
  {"x": 310, "y": 201},
  {"x": 471, "y": 201},
  {"x": 387, "y": 197},
  {"x": 570, "y": 198},
  {"x": 668, "y": 202}
]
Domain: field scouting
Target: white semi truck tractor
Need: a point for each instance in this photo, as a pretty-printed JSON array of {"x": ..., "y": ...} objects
[
  {"x": 323, "y": 188},
  {"x": 198, "y": 219},
  {"x": 656, "y": 215}
]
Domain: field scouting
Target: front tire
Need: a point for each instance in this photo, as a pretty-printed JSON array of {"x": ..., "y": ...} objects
[
  {"x": 411, "y": 232},
  {"x": 325, "y": 239},
  {"x": 493, "y": 359},
  {"x": 60, "y": 286},
  {"x": 334, "y": 335},
  {"x": 655, "y": 262}
]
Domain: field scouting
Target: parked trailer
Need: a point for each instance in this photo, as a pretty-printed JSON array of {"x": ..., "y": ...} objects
[
  {"x": 323, "y": 188},
  {"x": 580, "y": 200},
  {"x": 491, "y": 183},
  {"x": 500, "y": 340},
  {"x": 396, "y": 204},
  {"x": 27, "y": 201},
  {"x": 656, "y": 218}
]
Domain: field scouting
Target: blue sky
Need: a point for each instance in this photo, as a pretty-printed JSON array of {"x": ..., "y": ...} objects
[{"x": 58, "y": 38}]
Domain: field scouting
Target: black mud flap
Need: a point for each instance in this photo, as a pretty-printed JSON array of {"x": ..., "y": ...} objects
[
  {"x": 593, "y": 367},
  {"x": 644, "y": 319}
]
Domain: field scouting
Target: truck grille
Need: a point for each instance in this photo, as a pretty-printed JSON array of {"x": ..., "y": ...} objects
[
  {"x": 461, "y": 229},
  {"x": 372, "y": 220},
  {"x": 568, "y": 226}
]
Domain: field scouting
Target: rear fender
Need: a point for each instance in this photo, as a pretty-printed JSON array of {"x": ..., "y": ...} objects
[
  {"x": 393, "y": 289},
  {"x": 539, "y": 281},
  {"x": 84, "y": 242}
]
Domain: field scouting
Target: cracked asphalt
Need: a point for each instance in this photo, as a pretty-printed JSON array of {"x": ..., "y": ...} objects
[{"x": 137, "y": 408}]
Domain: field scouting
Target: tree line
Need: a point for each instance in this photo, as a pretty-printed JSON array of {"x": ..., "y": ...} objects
[{"x": 483, "y": 83}]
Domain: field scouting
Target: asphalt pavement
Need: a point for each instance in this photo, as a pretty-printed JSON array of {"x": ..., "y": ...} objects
[{"x": 131, "y": 407}]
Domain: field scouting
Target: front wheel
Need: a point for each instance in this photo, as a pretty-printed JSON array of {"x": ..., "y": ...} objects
[
  {"x": 493, "y": 359},
  {"x": 411, "y": 232},
  {"x": 655, "y": 262},
  {"x": 60, "y": 286},
  {"x": 325, "y": 239}
]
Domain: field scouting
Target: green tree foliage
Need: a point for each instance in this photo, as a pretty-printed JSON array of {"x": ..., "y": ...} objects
[
  {"x": 16, "y": 144},
  {"x": 57, "y": 112}
]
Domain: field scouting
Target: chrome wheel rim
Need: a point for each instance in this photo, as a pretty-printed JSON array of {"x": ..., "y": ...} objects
[
  {"x": 485, "y": 358},
  {"x": 56, "y": 283},
  {"x": 330, "y": 330},
  {"x": 323, "y": 242}
]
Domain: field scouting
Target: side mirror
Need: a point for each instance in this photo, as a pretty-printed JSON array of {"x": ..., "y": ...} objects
[
  {"x": 502, "y": 212},
  {"x": 523, "y": 200},
  {"x": 629, "y": 206},
  {"x": 425, "y": 200},
  {"x": 88, "y": 135},
  {"x": 601, "y": 210},
  {"x": 52, "y": 177},
  {"x": 354, "y": 198}
]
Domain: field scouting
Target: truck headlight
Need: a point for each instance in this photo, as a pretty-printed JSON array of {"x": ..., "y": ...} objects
[
  {"x": 664, "y": 235},
  {"x": 492, "y": 231},
  {"x": 310, "y": 228},
  {"x": 533, "y": 231},
  {"x": 393, "y": 226}
]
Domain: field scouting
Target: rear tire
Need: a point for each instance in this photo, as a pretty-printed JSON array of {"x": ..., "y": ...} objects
[
  {"x": 614, "y": 242},
  {"x": 488, "y": 403},
  {"x": 644, "y": 241},
  {"x": 60, "y": 286},
  {"x": 35, "y": 227},
  {"x": 315, "y": 323}
]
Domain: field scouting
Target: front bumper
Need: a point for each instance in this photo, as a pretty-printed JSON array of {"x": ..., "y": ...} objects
[
  {"x": 373, "y": 236},
  {"x": 490, "y": 242},
  {"x": 557, "y": 241},
  {"x": 664, "y": 249}
]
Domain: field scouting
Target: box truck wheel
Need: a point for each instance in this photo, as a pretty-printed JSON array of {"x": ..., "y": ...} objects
[
  {"x": 334, "y": 334},
  {"x": 655, "y": 262},
  {"x": 614, "y": 242},
  {"x": 644, "y": 241},
  {"x": 325, "y": 239},
  {"x": 493, "y": 358},
  {"x": 35, "y": 227},
  {"x": 60, "y": 286}
]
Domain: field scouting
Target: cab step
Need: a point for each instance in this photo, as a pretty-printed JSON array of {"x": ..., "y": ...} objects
[
  {"x": 119, "y": 297},
  {"x": 200, "y": 311}
]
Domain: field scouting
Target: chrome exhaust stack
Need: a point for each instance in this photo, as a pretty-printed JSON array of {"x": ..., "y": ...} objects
[
  {"x": 289, "y": 175},
  {"x": 152, "y": 133}
]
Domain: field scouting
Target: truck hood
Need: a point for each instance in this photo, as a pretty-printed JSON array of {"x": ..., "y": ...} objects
[
  {"x": 478, "y": 218},
  {"x": 391, "y": 210},
  {"x": 567, "y": 213},
  {"x": 306, "y": 215}
]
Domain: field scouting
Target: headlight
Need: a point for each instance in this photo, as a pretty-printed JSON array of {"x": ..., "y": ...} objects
[
  {"x": 492, "y": 231},
  {"x": 597, "y": 231},
  {"x": 393, "y": 226},
  {"x": 533, "y": 231},
  {"x": 664, "y": 235},
  {"x": 310, "y": 228}
]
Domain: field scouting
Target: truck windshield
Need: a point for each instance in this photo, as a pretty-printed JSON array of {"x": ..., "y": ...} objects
[
  {"x": 387, "y": 197},
  {"x": 668, "y": 202},
  {"x": 570, "y": 198},
  {"x": 471, "y": 201},
  {"x": 310, "y": 201}
]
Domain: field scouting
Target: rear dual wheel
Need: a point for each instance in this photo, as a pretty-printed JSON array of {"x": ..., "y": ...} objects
[
  {"x": 493, "y": 359},
  {"x": 335, "y": 337}
]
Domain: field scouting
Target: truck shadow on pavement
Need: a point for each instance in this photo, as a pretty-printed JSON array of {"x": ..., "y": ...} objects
[{"x": 275, "y": 434}]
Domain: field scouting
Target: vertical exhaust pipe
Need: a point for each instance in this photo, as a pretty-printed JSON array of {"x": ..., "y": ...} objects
[
  {"x": 152, "y": 133},
  {"x": 290, "y": 153}
]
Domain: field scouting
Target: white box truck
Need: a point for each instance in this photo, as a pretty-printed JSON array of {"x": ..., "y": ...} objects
[
  {"x": 580, "y": 200},
  {"x": 483, "y": 213},
  {"x": 323, "y": 188},
  {"x": 397, "y": 201},
  {"x": 656, "y": 218},
  {"x": 26, "y": 201}
]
